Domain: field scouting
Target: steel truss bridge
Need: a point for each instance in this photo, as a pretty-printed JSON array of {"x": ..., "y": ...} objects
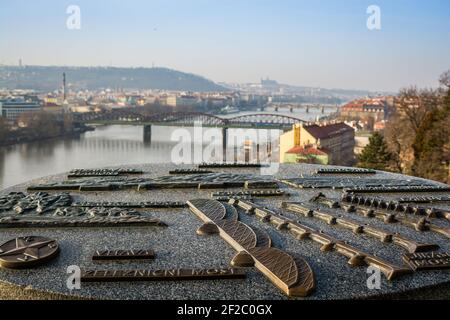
[{"x": 257, "y": 120}]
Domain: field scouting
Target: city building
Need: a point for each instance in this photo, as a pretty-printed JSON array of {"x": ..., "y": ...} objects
[
  {"x": 11, "y": 109},
  {"x": 135, "y": 100},
  {"x": 171, "y": 101},
  {"x": 51, "y": 101},
  {"x": 150, "y": 99},
  {"x": 369, "y": 110},
  {"x": 324, "y": 144},
  {"x": 182, "y": 100},
  {"x": 306, "y": 155},
  {"x": 269, "y": 84},
  {"x": 187, "y": 100}
]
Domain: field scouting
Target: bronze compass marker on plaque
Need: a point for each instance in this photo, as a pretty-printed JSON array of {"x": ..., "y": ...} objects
[{"x": 26, "y": 252}]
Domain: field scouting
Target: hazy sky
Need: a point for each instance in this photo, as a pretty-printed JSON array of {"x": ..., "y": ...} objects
[{"x": 313, "y": 43}]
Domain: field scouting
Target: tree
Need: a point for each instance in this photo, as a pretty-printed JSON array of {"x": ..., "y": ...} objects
[
  {"x": 412, "y": 107},
  {"x": 370, "y": 123},
  {"x": 4, "y": 128},
  {"x": 151, "y": 109},
  {"x": 445, "y": 79},
  {"x": 41, "y": 123},
  {"x": 399, "y": 140},
  {"x": 432, "y": 141},
  {"x": 376, "y": 154},
  {"x": 415, "y": 104},
  {"x": 67, "y": 123}
]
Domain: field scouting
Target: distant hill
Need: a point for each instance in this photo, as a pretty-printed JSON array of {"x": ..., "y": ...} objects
[{"x": 50, "y": 78}]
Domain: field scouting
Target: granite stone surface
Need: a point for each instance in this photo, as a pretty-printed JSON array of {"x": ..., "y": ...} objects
[{"x": 178, "y": 246}]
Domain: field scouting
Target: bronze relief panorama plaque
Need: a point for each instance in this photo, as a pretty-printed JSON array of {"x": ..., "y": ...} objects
[{"x": 290, "y": 233}]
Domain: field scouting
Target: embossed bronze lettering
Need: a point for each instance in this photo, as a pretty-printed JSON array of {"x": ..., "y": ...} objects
[
  {"x": 250, "y": 193},
  {"x": 345, "y": 171},
  {"x": 189, "y": 171},
  {"x": 123, "y": 255},
  {"x": 161, "y": 275},
  {"x": 205, "y": 180},
  {"x": 355, "y": 184},
  {"x": 227, "y": 199},
  {"x": 76, "y": 173},
  {"x": 51, "y": 222},
  {"x": 424, "y": 199},
  {"x": 135, "y": 205},
  {"x": 250, "y": 184},
  {"x": 428, "y": 260},
  {"x": 399, "y": 189},
  {"x": 230, "y": 165}
]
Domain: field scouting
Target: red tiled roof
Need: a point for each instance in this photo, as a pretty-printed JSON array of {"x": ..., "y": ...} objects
[
  {"x": 306, "y": 151},
  {"x": 327, "y": 131},
  {"x": 379, "y": 125},
  {"x": 359, "y": 104}
]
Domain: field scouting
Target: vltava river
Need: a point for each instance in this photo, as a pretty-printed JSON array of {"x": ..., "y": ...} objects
[
  {"x": 120, "y": 144},
  {"x": 112, "y": 146}
]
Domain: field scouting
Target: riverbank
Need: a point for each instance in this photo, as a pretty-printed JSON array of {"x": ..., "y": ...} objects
[{"x": 24, "y": 135}]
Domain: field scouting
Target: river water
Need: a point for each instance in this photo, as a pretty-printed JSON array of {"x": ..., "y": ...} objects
[{"x": 126, "y": 144}]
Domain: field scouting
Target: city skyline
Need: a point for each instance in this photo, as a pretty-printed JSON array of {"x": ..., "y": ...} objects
[{"x": 306, "y": 43}]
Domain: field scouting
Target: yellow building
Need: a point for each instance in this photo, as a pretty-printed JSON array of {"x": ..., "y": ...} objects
[
  {"x": 171, "y": 101},
  {"x": 51, "y": 101},
  {"x": 325, "y": 144}
]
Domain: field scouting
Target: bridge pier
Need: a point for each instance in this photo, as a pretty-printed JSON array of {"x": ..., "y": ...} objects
[
  {"x": 269, "y": 149},
  {"x": 224, "y": 143},
  {"x": 246, "y": 155},
  {"x": 147, "y": 134},
  {"x": 257, "y": 153}
]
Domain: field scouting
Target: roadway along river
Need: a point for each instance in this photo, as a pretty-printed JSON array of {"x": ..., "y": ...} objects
[{"x": 119, "y": 144}]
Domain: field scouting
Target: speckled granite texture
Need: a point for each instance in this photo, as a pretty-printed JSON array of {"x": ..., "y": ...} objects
[{"x": 179, "y": 246}]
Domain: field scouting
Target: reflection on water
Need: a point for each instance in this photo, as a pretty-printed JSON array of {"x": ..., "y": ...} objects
[{"x": 106, "y": 146}]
